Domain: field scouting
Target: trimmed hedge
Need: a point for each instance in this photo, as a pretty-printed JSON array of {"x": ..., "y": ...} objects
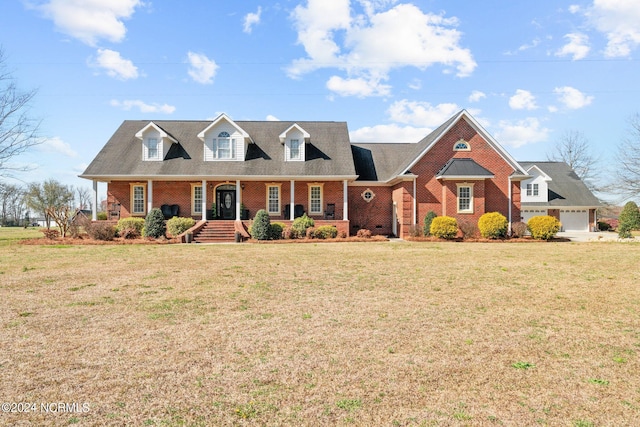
[
  {"x": 154, "y": 225},
  {"x": 326, "y": 232},
  {"x": 493, "y": 225},
  {"x": 543, "y": 227},
  {"x": 178, "y": 225},
  {"x": 300, "y": 225},
  {"x": 444, "y": 227},
  {"x": 260, "y": 229},
  {"x": 427, "y": 222},
  {"x": 276, "y": 230},
  {"x": 130, "y": 223}
]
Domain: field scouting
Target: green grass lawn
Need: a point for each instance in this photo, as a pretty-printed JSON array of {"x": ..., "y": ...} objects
[{"x": 322, "y": 334}]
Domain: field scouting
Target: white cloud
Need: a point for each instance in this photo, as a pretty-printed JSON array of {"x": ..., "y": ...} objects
[
  {"x": 476, "y": 96},
  {"x": 389, "y": 133},
  {"x": 357, "y": 87},
  {"x": 421, "y": 114},
  {"x": 368, "y": 46},
  {"x": 251, "y": 19},
  {"x": 271, "y": 118},
  {"x": 577, "y": 47},
  {"x": 115, "y": 65},
  {"x": 523, "y": 100},
  {"x": 202, "y": 69},
  {"x": 618, "y": 21},
  {"x": 415, "y": 84},
  {"x": 572, "y": 98},
  {"x": 522, "y": 132},
  {"x": 142, "y": 106},
  {"x": 90, "y": 20},
  {"x": 574, "y": 8},
  {"x": 57, "y": 145}
]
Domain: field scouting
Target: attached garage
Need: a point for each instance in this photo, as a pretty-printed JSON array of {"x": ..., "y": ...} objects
[
  {"x": 574, "y": 219},
  {"x": 527, "y": 214}
]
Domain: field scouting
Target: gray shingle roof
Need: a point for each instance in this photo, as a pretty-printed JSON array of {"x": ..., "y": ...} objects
[
  {"x": 463, "y": 168},
  {"x": 328, "y": 153},
  {"x": 565, "y": 187}
]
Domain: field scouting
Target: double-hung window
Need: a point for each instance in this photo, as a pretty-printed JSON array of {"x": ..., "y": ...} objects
[
  {"x": 273, "y": 199},
  {"x": 138, "y": 199},
  {"x": 223, "y": 146},
  {"x": 465, "y": 198},
  {"x": 294, "y": 147},
  {"x": 196, "y": 199},
  {"x": 532, "y": 189},
  {"x": 315, "y": 199}
]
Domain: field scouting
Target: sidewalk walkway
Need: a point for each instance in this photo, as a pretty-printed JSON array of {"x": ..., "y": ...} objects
[{"x": 600, "y": 236}]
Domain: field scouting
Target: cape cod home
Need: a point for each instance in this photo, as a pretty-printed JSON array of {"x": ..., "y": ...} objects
[{"x": 222, "y": 172}]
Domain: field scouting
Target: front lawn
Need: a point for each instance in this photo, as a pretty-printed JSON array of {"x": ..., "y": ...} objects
[{"x": 390, "y": 333}]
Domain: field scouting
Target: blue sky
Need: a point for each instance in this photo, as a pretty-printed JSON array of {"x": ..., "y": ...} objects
[{"x": 392, "y": 69}]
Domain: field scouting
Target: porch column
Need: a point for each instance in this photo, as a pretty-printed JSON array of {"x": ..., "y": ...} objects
[
  {"x": 149, "y": 195},
  {"x": 94, "y": 206},
  {"x": 238, "y": 199},
  {"x": 204, "y": 199},
  {"x": 292, "y": 201},
  {"x": 345, "y": 201}
]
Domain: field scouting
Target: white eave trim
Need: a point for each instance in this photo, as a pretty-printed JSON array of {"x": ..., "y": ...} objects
[
  {"x": 163, "y": 134},
  {"x": 463, "y": 177},
  {"x": 245, "y": 178},
  {"x": 220, "y": 118},
  {"x": 542, "y": 173},
  {"x": 283, "y": 135}
]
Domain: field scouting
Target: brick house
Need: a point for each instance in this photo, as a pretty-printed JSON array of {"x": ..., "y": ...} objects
[{"x": 228, "y": 170}]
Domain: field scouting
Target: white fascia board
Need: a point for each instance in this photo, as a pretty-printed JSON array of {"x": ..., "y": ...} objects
[
  {"x": 226, "y": 118},
  {"x": 465, "y": 177},
  {"x": 474, "y": 123},
  {"x": 163, "y": 134},
  {"x": 106, "y": 178},
  {"x": 544, "y": 175},
  {"x": 283, "y": 135}
]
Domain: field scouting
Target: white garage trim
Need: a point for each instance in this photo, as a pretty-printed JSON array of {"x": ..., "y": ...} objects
[
  {"x": 574, "y": 219},
  {"x": 527, "y": 214}
]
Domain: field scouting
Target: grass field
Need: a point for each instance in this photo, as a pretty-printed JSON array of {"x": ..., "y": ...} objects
[{"x": 366, "y": 334}]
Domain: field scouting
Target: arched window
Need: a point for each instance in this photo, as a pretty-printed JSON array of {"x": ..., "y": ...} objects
[{"x": 461, "y": 145}]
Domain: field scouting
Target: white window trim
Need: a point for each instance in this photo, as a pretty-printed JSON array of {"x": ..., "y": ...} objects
[
  {"x": 471, "y": 208},
  {"x": 369, "y": 191},
  {"x": 279, "y": 187},
  {"x": 196, "y": 206},
  {"x": 132, "y": 187},
  {"x": 461, "y": 141},
  {"x": 321, "y": 186},
  {"x": 146, "y": 150},
  {"x": 291, "y": 156}
]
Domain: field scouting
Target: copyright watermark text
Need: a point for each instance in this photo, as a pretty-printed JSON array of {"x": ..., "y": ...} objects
[{"x": 45, "y": 407}]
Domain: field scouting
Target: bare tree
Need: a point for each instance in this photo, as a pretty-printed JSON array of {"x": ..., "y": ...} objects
[
  {"x": 18, "y": 131},
  {"x": 627, "y": 166},
  {"x": 574, "y": 149},
  {"x": 48, "y": 197},
  {"x": 11, "y": 204},
  {"x": 83, "y": 197}
]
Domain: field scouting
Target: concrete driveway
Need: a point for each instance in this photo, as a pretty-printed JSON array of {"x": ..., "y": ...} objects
[{"x": 600, "y": 236}]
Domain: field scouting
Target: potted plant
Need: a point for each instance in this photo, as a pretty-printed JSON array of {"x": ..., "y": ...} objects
[
  {"x": 244, "y": 212},
  {"x": 212, "y": 213},
  {"x": 188, "y": 237}
]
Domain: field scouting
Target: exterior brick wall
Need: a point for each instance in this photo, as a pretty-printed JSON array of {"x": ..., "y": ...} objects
[{"x": 375, "y": 215}]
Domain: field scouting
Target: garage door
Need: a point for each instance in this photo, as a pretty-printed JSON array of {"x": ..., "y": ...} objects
[
  {"x": 529, "y": 213},
  {"x": 574, "y": 220}
]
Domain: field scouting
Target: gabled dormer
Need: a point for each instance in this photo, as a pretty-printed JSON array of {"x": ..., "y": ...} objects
[
  {"x": 294, "y": 140},
  {"x": 155, "y": 142},
  {"x": 224, "y": 140},
  {"x": 536, "y": 188}
]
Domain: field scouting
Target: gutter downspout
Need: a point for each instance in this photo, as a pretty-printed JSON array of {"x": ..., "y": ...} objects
[
  {"x": 509, "y": 197},
  {"x": 415, "y": 213}
]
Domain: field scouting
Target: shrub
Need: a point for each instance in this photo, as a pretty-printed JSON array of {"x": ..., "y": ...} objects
[
  {"x": 178, "y": 225},
  {"x": 261, "y": 225},
  {"x": 310, "y": 232},
  {"x": 50, "y": 234},
  {"x": 469, "y": 229},
  {"x": 364, "y": 233},
  {"x": 629, "y": 219},
  {"x": 493, "y": 225},
  {"x": 326, "y": 232},
  {"x": 300, "y": 225},
  {"x": 444, "y": 227},
  {"x": 102, "y": 216},
  {"x": 543, "y": 227},
  {"x": 415, "y": 231},
  {"x": 518, "y": 229},
  {"x": 101, "y": 230},
  {"x": 154, "y": 225},
  {"x": 129, "y": 233},
  {"x": 287, "y": 233},
  {"x": 276, "y": 230},
  {"x": 128, "y": 223},
  {"x": 427, "y": 222},
  {"x": 604, "y": 226}
]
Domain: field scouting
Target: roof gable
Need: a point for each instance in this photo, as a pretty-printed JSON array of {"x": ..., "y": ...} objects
[
  {"x": 223, "y": 118},
  {"x": 295, "y": 126},
  {"x": 153, "y": 126}
]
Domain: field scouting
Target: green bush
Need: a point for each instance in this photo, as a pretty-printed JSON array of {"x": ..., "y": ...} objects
[
  {"x": 444, "y": 227},
  {"x": 493, "y": 225},
  {"x": 543, "y": 227},
  {"x": 260, "y": 229},
  {"x": 178, "y": 225},
  {"x": 102, "y": 216},
  {"x": 326, "y": 232},
  {"x": 427, "y": 222},
  {"x": 604, "y": 226},
  {"x": 629, "y": 219},
  {"x": 154, "y": 225},
  {"x": 300, "y": 225},
  {"x": 276, "y": 230},
  {"x": 130, "y": 223}
]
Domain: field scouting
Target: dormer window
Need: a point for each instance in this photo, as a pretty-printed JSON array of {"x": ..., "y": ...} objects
[
  {"x": 224, "y": 140},
  {"x": 223, "y": 146},
  {"x": 532, "y": 189},
  {"x": 152, "y": 149},
  {"x": 155, "y": 142},
  {"x": 295, "y": 149}
]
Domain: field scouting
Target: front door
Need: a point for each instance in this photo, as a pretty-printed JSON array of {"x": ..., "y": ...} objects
[{"x": 227, "y": 199}]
